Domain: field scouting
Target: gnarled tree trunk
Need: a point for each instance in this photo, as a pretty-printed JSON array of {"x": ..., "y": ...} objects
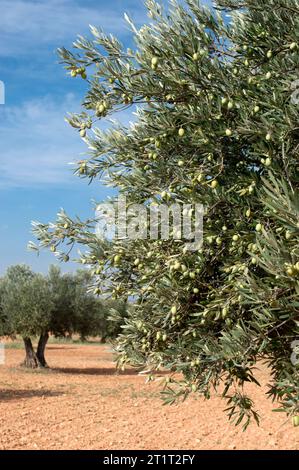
[
  {"x": 40, "y": 352},
  {"x": 31, "y": 361}
]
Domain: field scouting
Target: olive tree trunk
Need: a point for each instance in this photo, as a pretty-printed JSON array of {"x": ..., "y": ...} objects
[
  {"x": 40, "y": 352},
  {"x": 31, "y": 361}
]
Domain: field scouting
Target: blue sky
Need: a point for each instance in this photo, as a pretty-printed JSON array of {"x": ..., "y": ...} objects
[{"x": 36, "y": 145}]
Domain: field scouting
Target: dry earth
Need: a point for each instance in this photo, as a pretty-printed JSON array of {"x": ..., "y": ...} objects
[{"x": 80, "y": 403}]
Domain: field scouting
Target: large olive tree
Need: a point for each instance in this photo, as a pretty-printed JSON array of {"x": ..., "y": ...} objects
[{"x": 217, "y": 124}]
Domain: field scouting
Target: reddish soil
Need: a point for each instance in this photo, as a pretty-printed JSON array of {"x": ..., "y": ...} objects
[{"x": 80, "y": 403}]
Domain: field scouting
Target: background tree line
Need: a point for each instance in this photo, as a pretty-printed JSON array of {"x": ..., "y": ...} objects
[{"x": 37, "y": 306}]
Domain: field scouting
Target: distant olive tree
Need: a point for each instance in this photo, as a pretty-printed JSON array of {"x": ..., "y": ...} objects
[
  {"x": 4, "y": 323},
  {"x": 26, "y": 304}
]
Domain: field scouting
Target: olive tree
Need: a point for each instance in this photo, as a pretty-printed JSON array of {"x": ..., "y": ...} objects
[
  {"x": 216, "y": 124},
  {"x": 27, "y": 305},
  {"x": 4, "y": 323}
]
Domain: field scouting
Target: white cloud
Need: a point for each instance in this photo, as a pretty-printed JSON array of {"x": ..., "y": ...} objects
[
  {"x": 28, "y": 25},
  {"x": 37, "y": 145}
]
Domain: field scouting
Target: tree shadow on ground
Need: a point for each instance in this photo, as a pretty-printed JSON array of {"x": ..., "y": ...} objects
[
  {"x": 93, "y": 371},
  {"x": 7, "y": 394},
  {"x": 101, "y": 371}
]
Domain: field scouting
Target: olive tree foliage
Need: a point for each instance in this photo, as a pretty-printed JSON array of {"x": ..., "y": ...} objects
[
  {"x": 88, "y": 309},
  {"x": 75, "y": 309},
  {"x": 94, "y": 316},
  {"x": 110, "y": 319},
  {"x": 63, "y": 290},
  {"x": 215, "y": 124},
  {"x": 26, "y": 300}
]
